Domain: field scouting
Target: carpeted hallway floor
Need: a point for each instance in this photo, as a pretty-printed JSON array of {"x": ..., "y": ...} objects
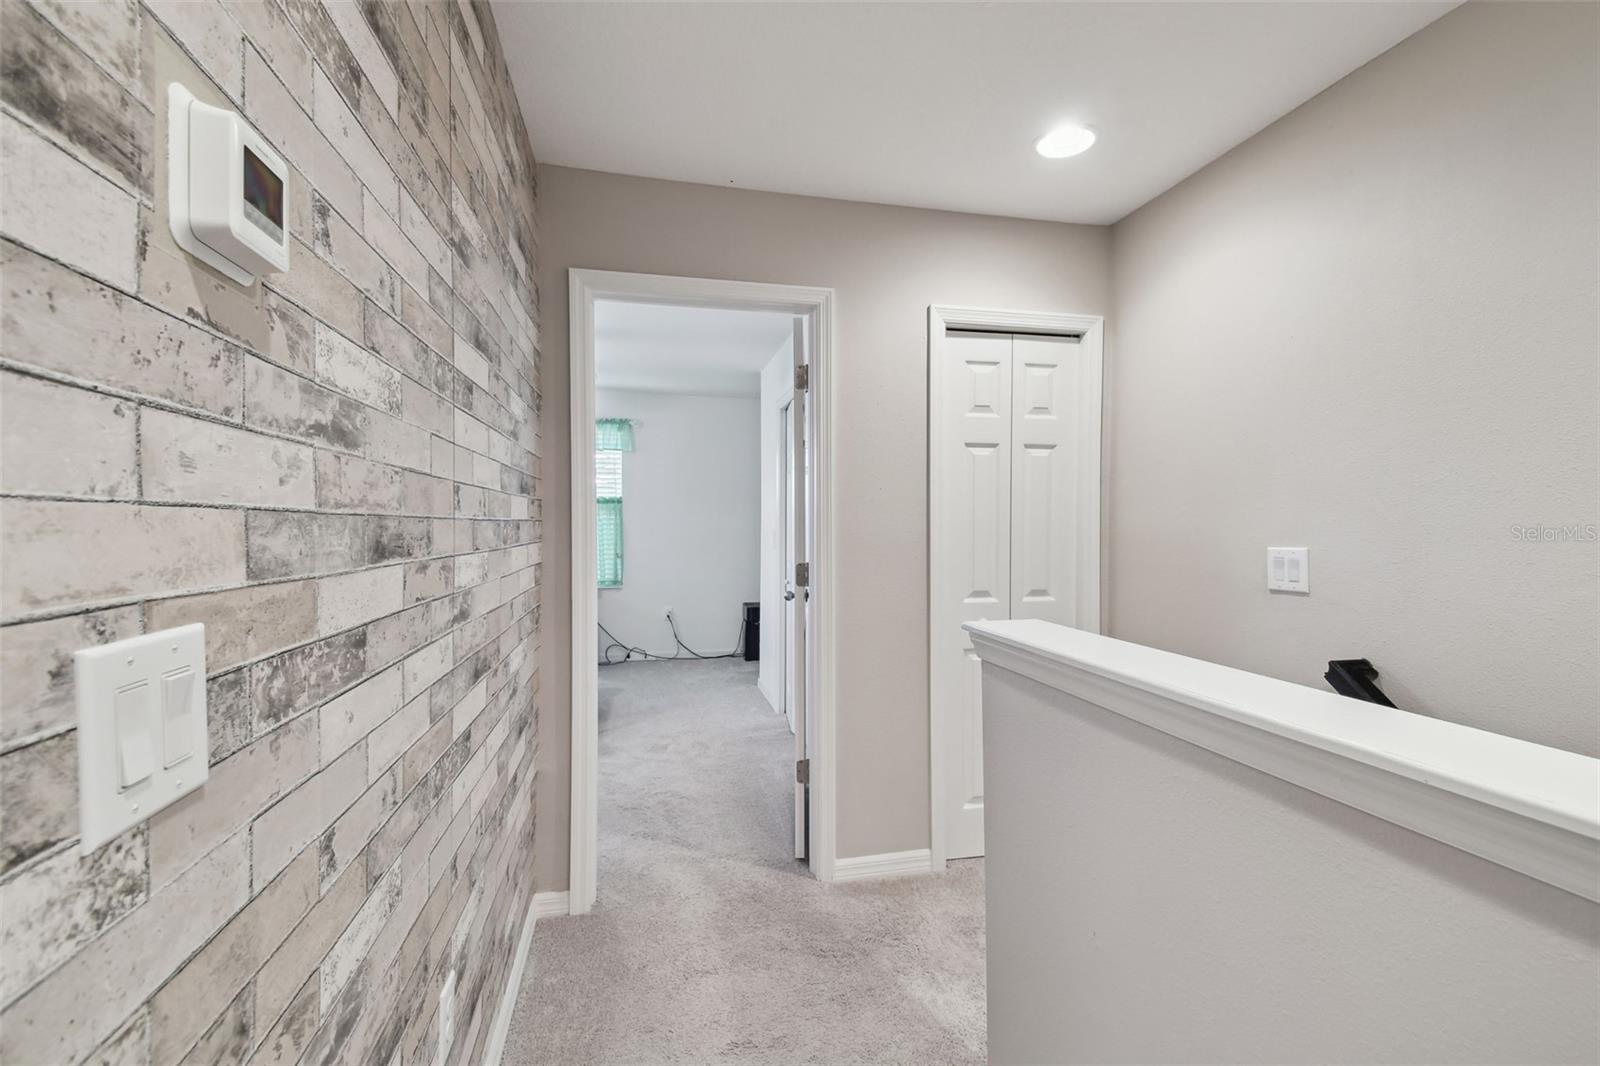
[{"x": 708, "y": 943}]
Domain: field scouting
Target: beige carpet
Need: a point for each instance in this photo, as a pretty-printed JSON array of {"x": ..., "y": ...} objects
[{"x": 708, "y": 942}]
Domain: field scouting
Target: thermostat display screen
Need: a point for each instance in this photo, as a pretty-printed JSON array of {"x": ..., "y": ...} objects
[{"x": 263, "y": 196}]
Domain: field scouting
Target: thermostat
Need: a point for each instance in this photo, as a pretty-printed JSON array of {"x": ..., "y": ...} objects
[{"x": 227, "y": 190}]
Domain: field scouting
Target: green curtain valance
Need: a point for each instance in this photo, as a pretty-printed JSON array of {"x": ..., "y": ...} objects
[{"x": 613, "y": 435}]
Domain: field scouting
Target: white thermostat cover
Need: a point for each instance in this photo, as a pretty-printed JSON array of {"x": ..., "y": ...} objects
[{"x": 227, "y": 190}]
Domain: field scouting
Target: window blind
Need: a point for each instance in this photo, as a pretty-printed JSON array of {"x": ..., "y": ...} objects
[
  {"x": 608, "y": 516},
  {"x": 608, "y": 542},
  {"x": 608, "y": 474}
]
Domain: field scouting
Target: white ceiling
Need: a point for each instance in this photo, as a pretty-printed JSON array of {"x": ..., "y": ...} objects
[
  {"x": 928, "y": 104},
  {"x": 659, "y": 348}
]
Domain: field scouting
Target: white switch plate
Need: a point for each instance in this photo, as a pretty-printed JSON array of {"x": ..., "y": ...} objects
[
  {"x": 1289, "y": 569},
  {"x": 141, "y": 720}
]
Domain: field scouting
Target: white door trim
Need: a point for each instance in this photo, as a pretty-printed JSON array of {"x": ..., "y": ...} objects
[
  {"x": 585, "y": 287},
  {"x": 1091, "y": 329}
]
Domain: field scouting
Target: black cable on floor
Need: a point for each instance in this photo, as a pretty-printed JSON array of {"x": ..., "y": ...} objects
[
  {"x": 615, "y": 643},
  {"x": 737, "y": 650},
  {"x": 632, "y": 651}
]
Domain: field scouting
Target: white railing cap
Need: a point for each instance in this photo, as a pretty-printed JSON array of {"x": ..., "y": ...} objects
[{"x": 1525, "y": 805}]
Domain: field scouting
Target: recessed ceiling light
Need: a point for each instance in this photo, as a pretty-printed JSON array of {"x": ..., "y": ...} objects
[{"x": 1064, "y": 141}]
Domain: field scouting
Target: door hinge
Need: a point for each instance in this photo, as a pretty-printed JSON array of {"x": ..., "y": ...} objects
[
  {"x": 802, "y": 772},
  {"x": 802, "y": 575},
  {"x": 802, "y": 377}
]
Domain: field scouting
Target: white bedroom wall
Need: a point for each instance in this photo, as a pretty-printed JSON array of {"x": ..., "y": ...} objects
[
  {"x": 691, "y": 519},
  {"x": 777, "y": 389}
]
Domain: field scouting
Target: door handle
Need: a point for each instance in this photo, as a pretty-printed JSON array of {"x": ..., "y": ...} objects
[{"x": 788, "y": 594}]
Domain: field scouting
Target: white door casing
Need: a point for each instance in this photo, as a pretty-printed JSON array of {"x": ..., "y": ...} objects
[
  {"x": 1014, "y": 511},
  {"x": 815, "y": 306}
]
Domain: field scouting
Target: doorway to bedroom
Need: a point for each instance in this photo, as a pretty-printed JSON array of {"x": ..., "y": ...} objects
[{"x": 702, "y": 502}]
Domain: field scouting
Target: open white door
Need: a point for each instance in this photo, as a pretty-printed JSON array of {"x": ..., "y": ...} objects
[
  {"x": 798, "y": 592},
  {"x": 788, "y": 554}
]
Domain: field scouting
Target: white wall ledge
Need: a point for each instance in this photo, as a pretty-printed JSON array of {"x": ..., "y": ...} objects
[{"x": 1529, "y": 807}]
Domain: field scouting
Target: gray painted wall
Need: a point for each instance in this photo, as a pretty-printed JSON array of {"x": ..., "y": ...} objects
[
  {"x": 1373, "y": 329},
  {"x": 1151, "y": 902},
  {"x": 886, "y": 265}
]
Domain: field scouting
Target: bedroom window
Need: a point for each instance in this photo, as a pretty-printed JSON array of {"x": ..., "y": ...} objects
[{"x": 613, "y": 436}]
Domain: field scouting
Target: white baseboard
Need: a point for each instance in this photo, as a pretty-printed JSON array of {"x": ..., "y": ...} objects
[
  {"x": 889, "y": 864},
  {"x": 766, "y": 691},
  {"x": 495, "y": 1048},
  {"x": 542, "y": 905},
  {"x": 550, "y": 904}
]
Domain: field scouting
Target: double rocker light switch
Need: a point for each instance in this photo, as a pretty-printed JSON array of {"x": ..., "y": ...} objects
[
  {"x": 1289, "y": 570},
  {"x": 141, "y": 728}
]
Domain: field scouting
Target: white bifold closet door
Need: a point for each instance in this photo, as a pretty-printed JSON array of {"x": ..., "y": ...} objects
[{"x": 1006, "y": 536}]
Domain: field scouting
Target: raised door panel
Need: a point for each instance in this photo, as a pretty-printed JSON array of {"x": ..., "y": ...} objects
[
  {"x": 973, "y": 546},
  {"x": 1044, "y": 473}
]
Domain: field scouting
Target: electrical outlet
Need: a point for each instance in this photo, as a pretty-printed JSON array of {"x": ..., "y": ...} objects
[{"x": 447, "y": 1019}]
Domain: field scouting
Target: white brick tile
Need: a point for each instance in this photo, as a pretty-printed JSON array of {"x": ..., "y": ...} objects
[
  {"x": 279, "y": 117},
  {"x": 269, "y": 29},
  {"x": 343, "y": 130},
  {"x": 347, "y": 953},
  {"x": 242, "y": 624},
  {"x": 195, "y": 461},
  {"x": 56, "y": 204},
  {"x": 65, "y": 441},
  {"x": 344, "y": 842},
  {"x": 106, "y": 31},
  {"x": 422, "y": 233},
  {"x": 347, "y": 16},
  {"x": 238, "y": 788},
  {"x": 471, "y": 362},
  {"x": 127, "y": 963},
  {"x": 344, "y": 365},
  {"x": 387, "y": 239},
  {"x": 347, "y": 600},
  {"x": 36, "y": 664},
  {"x": 427, "y": 666},
  {"x": 68, "y": 554},
  {"x": 186, "y": 1006},
  {"x": 209, "y": 34},
  {"x": 466, "y": 712},
  {"x": 54, "y": 908},
  {"x": 59, "y": 320},
  {"x": 284, "y": 829},
  {"x": 387, "y": 743},
  {"x": 346, "y": 719},
  {"x": 471, "y": 433}
]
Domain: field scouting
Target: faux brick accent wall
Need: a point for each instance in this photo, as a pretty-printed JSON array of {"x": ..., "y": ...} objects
[{"x": 335, "y": 469}]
